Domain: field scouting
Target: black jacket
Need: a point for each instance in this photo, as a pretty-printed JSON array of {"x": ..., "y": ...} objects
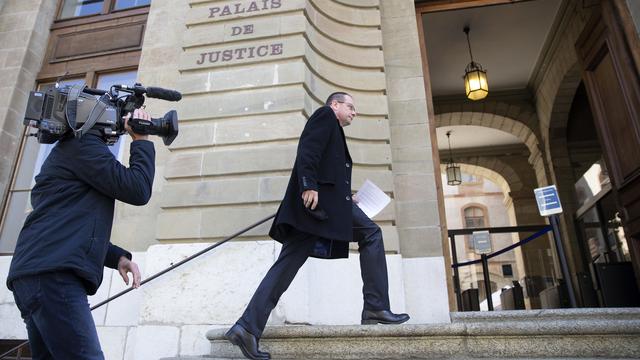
[
  {"x": 323, "y": 164},
  {"x": 73, "y": 201}
]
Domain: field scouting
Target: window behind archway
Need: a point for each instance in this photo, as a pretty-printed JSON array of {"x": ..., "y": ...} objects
[{"x": 474, "y": 217}]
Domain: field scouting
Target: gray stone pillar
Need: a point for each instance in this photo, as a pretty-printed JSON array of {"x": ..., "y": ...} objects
[
  {"x": 418, "y": 219},
  {"x": 419, "y": 206}
]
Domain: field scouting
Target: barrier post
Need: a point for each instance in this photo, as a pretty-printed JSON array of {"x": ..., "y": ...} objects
[
  {"x": 456, "y": 272},
  {"x": 555, "y": 221},
  {"x": 487, "y": 281}
]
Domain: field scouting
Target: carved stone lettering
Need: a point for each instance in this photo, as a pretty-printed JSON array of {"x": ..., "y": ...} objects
[
  {"x": 276, "y": 49},
  {"x": 262, "y": 50},
  {"x": 253, "y": 7},
  {"x": 237, "y": 30},
  {"x": 242, "y": 53},
  {"x": 242, "y": 7}
]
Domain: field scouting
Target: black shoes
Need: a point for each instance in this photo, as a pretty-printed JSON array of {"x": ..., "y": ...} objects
[
  {"x": 370, "y": 317},
  {"x": 248, "y": 343}
]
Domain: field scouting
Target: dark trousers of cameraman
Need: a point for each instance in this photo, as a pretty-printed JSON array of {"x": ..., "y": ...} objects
[{"x": 55, "y": 309}]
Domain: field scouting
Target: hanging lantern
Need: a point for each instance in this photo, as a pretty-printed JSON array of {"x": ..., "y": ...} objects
[
  {"x": 475, "y": 77},
  {"x": 454, "y": 175}
]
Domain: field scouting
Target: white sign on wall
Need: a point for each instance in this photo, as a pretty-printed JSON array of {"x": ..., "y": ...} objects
[{"x": 548, "y": 200}]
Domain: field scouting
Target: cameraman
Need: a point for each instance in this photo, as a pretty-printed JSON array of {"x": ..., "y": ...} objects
[{"x": 64, "y": 243}]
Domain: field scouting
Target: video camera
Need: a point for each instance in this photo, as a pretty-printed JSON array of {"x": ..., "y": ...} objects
[{"x": 75, "y": 109}]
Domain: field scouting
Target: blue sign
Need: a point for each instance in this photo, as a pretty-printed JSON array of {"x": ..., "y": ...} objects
[{"x": 548, "y": 200}]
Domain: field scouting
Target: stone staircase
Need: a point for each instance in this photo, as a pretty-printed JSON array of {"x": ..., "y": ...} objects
[{"x": 533, "y": 334}]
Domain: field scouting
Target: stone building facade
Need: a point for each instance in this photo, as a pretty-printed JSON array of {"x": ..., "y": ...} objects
[{"x": 251, "y": 73}]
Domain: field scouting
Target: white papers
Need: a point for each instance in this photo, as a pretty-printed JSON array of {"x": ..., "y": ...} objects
[{"x": 371, "y": 200}]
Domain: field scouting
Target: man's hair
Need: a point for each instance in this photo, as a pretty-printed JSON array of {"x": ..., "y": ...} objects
[{"x": 337, "y": 96}]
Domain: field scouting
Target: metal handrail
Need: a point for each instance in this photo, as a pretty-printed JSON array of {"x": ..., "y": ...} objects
[
  {"x": 156, "y": 275},
  {"x": 544, "y": 230},
  {"x": 540, "y": 230}
]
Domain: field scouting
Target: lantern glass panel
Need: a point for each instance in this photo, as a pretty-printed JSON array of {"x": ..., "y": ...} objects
[
  {"x": 476, "y": 86},
  {"x": 454, "y": 175}
]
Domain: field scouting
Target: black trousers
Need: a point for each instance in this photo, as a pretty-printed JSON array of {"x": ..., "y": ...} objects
[{"x": 294, "y": 253}]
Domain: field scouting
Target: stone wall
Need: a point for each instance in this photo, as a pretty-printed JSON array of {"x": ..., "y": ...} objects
[
  {"x": 170, "y": 315},
  {"x": 251, "y": 73},
  {"x": 24, "y": 30}
]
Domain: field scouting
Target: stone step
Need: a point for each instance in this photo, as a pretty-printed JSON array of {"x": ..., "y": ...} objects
[
  {"x": 413, "y": 358},
  {"x": 536, "y": 334}
]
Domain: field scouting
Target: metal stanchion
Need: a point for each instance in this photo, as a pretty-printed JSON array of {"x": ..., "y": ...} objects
[
  {"x": 487, "y": 280},
  {"x": 555, "y": 223},
  {"x": 456, "y": 273}
]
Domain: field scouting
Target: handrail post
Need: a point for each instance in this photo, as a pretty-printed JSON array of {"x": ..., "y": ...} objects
[
  {"x": 487, "y": 281},
  {"x": 554, "y": 219},
  {"x": 456, "y": 272}
]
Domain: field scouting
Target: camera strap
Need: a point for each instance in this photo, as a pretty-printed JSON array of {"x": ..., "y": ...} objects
[
  {"x": 71, "y": 107},
  {"x": 72, "y": 110}
]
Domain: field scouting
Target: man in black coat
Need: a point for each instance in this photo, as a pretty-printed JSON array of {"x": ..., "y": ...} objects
[
  {"x": 318, "y": 218},
  {"x": 64, "y": 243}
]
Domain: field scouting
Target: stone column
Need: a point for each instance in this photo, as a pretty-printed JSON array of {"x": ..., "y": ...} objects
[
  {"x": 24, "y": 30},
  {"x": 419, "y": 207},
  {"x": 417, "y": 215}
]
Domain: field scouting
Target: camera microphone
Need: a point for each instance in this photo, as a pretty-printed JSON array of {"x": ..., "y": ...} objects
[
  {"x": 164, "y": 94},
  {"x": 153, "y": 92}
]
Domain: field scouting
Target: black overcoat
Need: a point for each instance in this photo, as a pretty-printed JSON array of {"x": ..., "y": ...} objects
[{"x": 323, "y": 164}]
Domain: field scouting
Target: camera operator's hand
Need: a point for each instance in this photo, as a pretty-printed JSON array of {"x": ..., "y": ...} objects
[
  {"x": 126, "y": 266},
  {"x": 137, "y": 114}
]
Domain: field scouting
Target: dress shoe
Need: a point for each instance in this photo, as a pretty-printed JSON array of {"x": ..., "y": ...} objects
[
  {"x": 247, "y": 343},
  {"x": 371, "y": 317}
]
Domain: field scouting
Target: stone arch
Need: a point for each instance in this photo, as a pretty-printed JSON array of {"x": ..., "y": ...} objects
[
  {"x": 560, "y": 168},
  {"x": 494, "y": 169},
  {"x": 556, "y": 129},
  {"x": 500, "y": 172},
  {"x": 557, "y": 126},
  {"x": 492, "y": 175},
  {"x": 518, "y": 120},
  {"x": 554, "y": 88},
  {"x": 516, "y": 127}
]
